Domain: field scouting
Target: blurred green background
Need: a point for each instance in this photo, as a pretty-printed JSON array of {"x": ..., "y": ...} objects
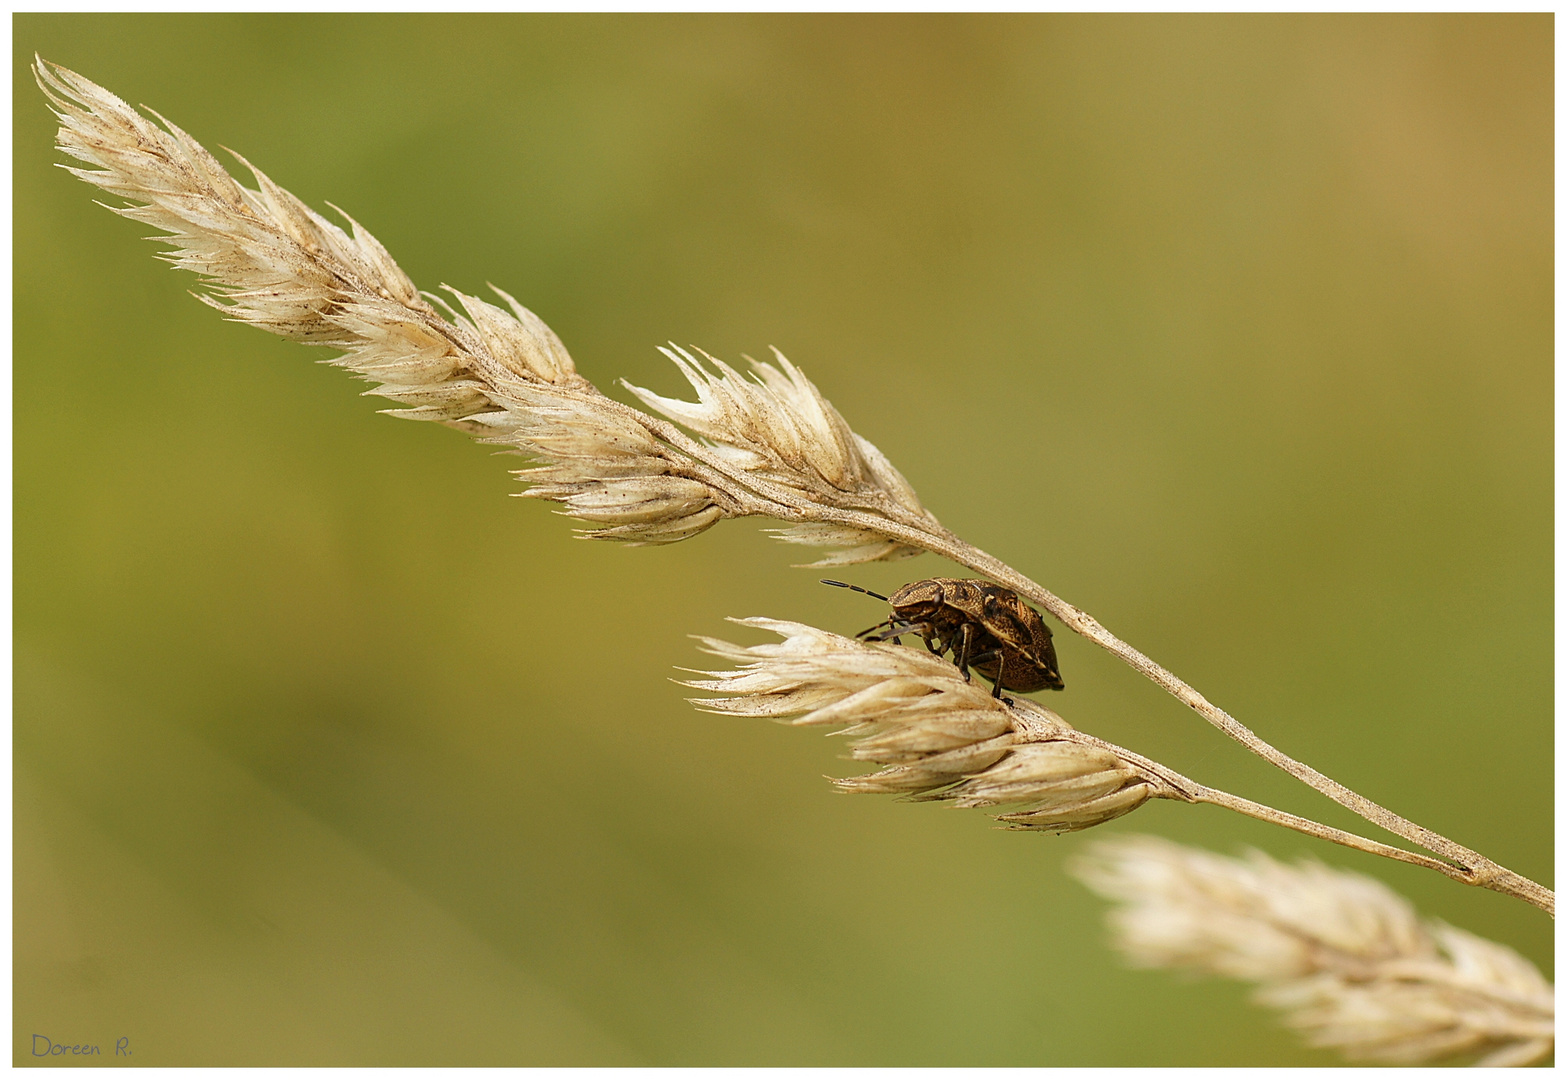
[{"x": 1235, "y": 331}]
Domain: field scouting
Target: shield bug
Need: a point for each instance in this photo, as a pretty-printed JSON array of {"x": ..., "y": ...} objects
[{"x": 984, "y": 625}]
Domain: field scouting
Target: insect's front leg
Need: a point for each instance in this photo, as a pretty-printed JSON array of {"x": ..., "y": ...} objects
[{"x": 895, "y": 630}]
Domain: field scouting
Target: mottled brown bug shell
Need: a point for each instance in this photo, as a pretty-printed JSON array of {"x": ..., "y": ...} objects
[{"x": 1007, "y": 641}]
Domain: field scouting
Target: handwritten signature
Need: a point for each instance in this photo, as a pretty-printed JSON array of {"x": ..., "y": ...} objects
[{"x": 43, "y": 1046}]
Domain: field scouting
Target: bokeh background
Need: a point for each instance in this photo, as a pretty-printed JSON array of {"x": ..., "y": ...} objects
[{"x": 1235, "y": 331}]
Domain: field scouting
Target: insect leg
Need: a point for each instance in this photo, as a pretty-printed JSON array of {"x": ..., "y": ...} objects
[
  {"x": 894, "y": 630},
  {"x": 961, "y": 659},
  {"x": 1000, "y": 656}
]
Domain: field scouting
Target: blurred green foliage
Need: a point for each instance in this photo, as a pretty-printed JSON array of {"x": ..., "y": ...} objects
[{"x": 1236, "y": 331}]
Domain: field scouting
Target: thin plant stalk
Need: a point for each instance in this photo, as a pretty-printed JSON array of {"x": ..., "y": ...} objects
[{"x": 1189, "y": 790}]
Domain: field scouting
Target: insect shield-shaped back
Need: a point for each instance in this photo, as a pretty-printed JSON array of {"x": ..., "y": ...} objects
[{"x": 983, "y": 625}]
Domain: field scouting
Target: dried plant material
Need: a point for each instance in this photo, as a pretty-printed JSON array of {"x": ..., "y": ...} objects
[
  {"x": 941, "y": 737},
  {"x": 1060, "y": 786},
  {"x": 1349, "y": 961},
  {"x": 779, "y": 427},
  {"x": 271, "y": 261},
  {"x": 601, "y": 462},
  {"x": 936, "y": 734},
  {"x": 498, "y": 373}
]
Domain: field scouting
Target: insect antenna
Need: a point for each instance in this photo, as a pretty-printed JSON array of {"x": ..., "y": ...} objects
[{"x": 856, "y": 588}]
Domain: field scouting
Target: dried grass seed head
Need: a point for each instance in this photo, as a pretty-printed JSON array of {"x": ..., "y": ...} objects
[
  {"x": 271, "y": 261},
  {"x": 1057, "y": 786},
  {"x": 913, "y": 713},
  {"x": 1348, "y": 960},
  {"x": 778, "y": 427},
  {"x": 499, "y": 373}
]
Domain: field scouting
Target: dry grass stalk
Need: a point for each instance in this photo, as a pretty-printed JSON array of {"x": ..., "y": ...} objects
[
  {"x": 1347, "y": 960},
  {"x": 768, "y": 446}
]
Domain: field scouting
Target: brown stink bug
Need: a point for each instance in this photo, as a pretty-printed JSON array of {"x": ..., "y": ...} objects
[{"x": 985, "y": 626}]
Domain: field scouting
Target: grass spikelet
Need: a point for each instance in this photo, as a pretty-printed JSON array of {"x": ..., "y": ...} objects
[{"x": 1347, "y": 961}]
